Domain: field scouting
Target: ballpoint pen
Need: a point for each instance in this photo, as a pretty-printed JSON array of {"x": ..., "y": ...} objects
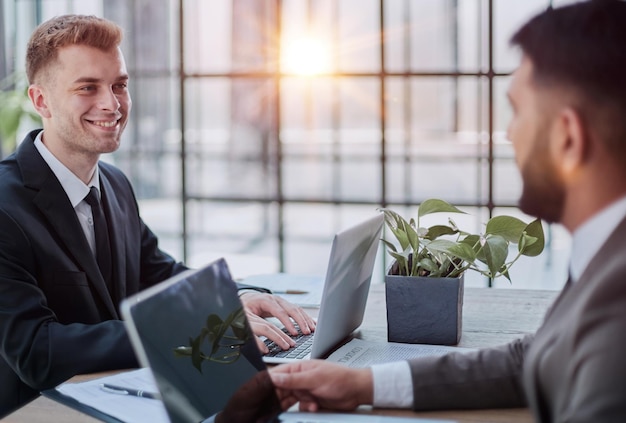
[
  {"x": 119, "y": 390},
  {"x": 289, "y": 291}
]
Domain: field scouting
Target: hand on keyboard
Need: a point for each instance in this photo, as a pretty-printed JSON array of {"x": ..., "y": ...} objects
[
  {"x": 260, "y": 306},
  {"x": 300, "y": 350}
]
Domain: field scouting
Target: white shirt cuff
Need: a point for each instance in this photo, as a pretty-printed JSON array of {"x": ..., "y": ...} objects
[{"x": 393, "y": 386}]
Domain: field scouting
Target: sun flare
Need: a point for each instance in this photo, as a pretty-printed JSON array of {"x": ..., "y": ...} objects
[{"x": 306, "y": 56}]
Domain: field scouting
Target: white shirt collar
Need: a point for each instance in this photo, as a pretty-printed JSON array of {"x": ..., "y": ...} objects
[
  {"x": 591, "y": 235},
  {"x": 75, "y": 189}
]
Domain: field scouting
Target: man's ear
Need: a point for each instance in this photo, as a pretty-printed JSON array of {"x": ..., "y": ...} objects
[
  {"x": 38, "y": 98},
  {"x": 570, "y": 140}
]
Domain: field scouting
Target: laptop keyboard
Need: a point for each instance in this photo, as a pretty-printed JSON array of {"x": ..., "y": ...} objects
[{"x": 299, "y": 351}]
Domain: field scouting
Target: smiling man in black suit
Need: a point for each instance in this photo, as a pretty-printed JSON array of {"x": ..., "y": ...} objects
[{"x": 63, "y": 272}]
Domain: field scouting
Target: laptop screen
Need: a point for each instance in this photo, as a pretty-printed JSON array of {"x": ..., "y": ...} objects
[{"x": 193, "y": 333}]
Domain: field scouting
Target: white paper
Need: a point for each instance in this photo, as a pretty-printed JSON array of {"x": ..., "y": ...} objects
[
  {"x": 313, "y": 285},
  {"x": 127, "y": 408},
  {"x": 360, "y": 353},
  {"x": 298, "y": 417}
]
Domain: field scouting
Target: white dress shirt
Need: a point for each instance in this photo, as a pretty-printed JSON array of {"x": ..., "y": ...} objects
[
  {"x": 75, "y": 189},
  {"x": 393, "y": 386},
  {"x": 591, "y": 235}
]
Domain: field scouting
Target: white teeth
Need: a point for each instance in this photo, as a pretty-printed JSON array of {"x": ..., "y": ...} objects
[{"x": 105, "y": 124}]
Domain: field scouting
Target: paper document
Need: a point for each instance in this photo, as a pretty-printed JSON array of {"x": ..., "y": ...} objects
[
  {"x": 123, "y": 407},
  {"x": 281, "y": 283},
  {"x": 318, "y": 417},
  {"x": 359, "y": 353}
]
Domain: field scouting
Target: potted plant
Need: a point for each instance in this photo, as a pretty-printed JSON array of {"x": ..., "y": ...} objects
[
  {"x": 15, "y": 107},
  {"x": 424, "y": 284}
]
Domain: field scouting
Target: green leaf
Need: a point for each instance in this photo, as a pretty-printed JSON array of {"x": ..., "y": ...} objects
[
  {"x": 213, "y": 326},
  {"x": 436, "y": 206},
  {"x": 10, "y": 116},
  {"x": 217, "y": 327},
  {"x": 509, "y": 227},
  {"x": 440, "y": 245},
  {"x": 496, "y": 251},
  {"x": 390, "y": 246},
  {"x": 391, "y": 218},
  {"x": 534, "y": 230},
  {"x": 436, "y": 231},
  {"x": 451, "y": 248},
  {"x": 403, "y": 262},
  {"x": 238, "y": 325},
  {"x": 402, "y": 255},
  {"x": 402, "y": 237},
  {"x": 404, "y": 231},
  {"x": 524, "y": 240},
  {"x": 506, "y": 275},
  {"x": 399, "y": 227},
  {"x": 464, "y": 252},
  {"x": 213, "y": 320},
  {"x": 473, "y": 242},
  {"x": 411, "y": 232},
  {"x": 196, "y": 357},
  {"x": 427, "y": 264}
]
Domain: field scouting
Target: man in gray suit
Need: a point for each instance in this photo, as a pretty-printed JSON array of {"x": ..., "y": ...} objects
[{"x": 569, "y": 134}]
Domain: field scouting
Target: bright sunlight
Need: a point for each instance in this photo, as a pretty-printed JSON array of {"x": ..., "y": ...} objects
[{"x": 306, "y": 56}]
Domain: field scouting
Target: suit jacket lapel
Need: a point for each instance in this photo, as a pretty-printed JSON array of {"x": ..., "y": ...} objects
[
  {"x": 572, "y": 291},
  {"x": 542, "y": 343},
  {"x": 597, "y": 262},
  {"x": 560, "y": 312},
  {"x": 52, "y": 201},
  {"x": 606, "y": 251}
]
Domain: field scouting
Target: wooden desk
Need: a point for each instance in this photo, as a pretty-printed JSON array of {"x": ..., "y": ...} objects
[{"x": 490, "y": 317}]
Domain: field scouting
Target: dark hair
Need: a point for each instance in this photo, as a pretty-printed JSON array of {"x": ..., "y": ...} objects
[
  {"x": 67, "y": 30},
  {"x": 582, "y": 48}
]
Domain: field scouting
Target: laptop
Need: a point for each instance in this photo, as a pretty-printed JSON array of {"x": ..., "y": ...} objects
[
  {"x": 344, "y": 295},
  {"x": 192, "y": 333}
]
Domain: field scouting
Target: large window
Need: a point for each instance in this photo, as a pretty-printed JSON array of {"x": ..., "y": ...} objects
[{"x": 262, "y": 127}]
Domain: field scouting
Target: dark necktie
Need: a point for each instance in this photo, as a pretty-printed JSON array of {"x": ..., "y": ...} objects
[{"x": 103, "y": 247}]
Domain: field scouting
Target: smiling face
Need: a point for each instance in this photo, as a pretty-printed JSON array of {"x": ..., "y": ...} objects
[
  {"x": 543, "y": 193},
  {"x": 84, "y": 102}
]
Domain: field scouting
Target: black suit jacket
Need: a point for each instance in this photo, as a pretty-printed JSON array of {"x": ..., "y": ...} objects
[
  {"x": 57, "y": 316},
  {"x": 572, "y": 370}
]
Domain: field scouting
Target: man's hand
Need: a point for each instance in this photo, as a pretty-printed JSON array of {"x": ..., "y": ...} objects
[
  {"x": 319, "y": 384},
  {"x": 258, "y": 306}
]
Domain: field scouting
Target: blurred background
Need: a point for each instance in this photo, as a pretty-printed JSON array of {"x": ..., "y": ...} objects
[{"x": 262, "y": 127}]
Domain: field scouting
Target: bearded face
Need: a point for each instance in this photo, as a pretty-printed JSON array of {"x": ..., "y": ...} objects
[{"x": 543, "y": 194}]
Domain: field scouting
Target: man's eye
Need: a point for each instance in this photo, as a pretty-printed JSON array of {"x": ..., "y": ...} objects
[
  {"x": 88, "y": 88},
  {"x": 120, "y": 88}
]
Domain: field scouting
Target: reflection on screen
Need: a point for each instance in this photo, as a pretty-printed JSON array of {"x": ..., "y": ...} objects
[
  {"x": 202, "y": 352},
  {"x": 220, "y": 340}
]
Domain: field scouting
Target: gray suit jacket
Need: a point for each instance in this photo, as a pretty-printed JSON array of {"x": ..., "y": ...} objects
[{"x": 572, "y": 370}]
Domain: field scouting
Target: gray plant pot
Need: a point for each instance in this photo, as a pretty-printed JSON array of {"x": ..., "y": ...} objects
[{"x": 424, "y": 310}]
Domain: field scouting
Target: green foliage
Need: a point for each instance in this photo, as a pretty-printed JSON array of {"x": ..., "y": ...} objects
[
  {"x": 224, "y": 337},
  {"x": 447, "y": 251},
  {"x": 15, "y": 106}
]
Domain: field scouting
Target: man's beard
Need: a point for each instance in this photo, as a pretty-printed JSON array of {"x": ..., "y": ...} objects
[{"x": 543, "y": 195}]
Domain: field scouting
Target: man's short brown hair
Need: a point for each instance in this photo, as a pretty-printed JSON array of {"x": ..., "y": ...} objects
[
  {"x": 66, "y": 30},
  {"x": 581, "y": 47}
]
